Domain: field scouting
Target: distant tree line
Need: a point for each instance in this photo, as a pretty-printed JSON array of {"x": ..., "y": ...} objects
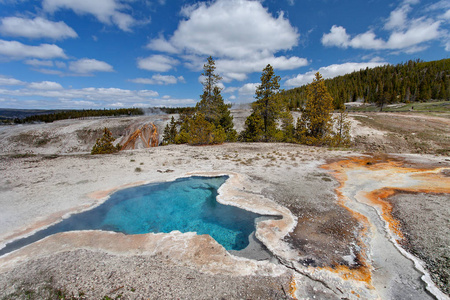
[
  {"x": 74, "y": 114},
  {"x": 177, "y": 110},
  {"x": 412, "y": 81}
]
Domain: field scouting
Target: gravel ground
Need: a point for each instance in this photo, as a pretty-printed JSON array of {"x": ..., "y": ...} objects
[
  {"x": 95, "y": 275},
  {"x": 427, "y": 233}
]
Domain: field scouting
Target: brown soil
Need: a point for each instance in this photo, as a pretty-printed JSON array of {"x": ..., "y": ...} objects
[{"x": 404, "y": 133}]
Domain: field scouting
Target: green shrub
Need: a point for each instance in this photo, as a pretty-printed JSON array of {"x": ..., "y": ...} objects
[{"x": 104, "y": 145}]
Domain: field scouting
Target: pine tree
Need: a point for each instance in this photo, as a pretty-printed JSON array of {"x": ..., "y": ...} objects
[
  {"x": 286, "y": 134},
  {"x": 342, "y": 126},
  {"x": 254, "y": 129},
  {"x": 267, "y": 107},
  {"x": 315, "y": 125},
  {"x": 104, "y": 144},
  {"x": 170, "y": 132},
  {"x": 211, "y": 105},
  {"x": 203, "y": 132}
]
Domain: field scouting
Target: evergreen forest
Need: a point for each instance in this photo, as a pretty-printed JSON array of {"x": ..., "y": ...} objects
[{"x": 413, "y": 81}]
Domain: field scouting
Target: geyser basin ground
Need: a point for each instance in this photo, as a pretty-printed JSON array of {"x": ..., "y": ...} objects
[
  {"x": 186, "y": 204},
  {"x": 36, "y": 189}
]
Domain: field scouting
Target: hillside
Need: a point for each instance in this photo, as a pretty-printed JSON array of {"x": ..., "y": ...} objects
[
  {"x": 413, "y": 81},
  {"x": 372, "y": 132}
]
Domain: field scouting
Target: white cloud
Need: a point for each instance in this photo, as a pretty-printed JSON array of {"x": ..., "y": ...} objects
[
  {"x": 367, "y": 40},
  {"x": 10, "y": 81},
  {"x": 158, "y": 63},
  {"x": 49, "y": 71},
  {"x": 420, "y": 31},
  {"x": 446, "y": 15},
  {"x": 331, "y": 71},
  {"x": 106, "y": 11},
  {"x": 231, "y": 28},
  {"x": 159, "y": 79},
  {"x": 60, "y": 64},
  {"x": 45, "y": 85},
  {"x": 236, "y": 69},
  {"x": 241, "y": 35},
  {"x": 39, "y": 63},
  {"x": 439, "y": 6},
  {"x": 53, "y": 91},
  {"x": 337, "y": 37},
  {"x": 407, "y": 35},
  {"x": 248, "y": 89},
  {"x": 168, "y": 101},
  {"x": 230, "y": 76},
  {"x": 36, "y": 28},
  {"x": 162, "y": 45},
  {"x": 398, "y": 18},
  {"x": 87, "y": 66},
  {"x": 14, "y": 49},
  {"x": 87, "y": 98}
]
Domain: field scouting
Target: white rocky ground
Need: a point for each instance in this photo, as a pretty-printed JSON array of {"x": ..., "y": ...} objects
[{"x": 37, "y": 190}]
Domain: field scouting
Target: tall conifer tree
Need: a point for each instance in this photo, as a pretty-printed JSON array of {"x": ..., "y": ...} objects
[
  {"x": 266, "y": 109},
  {"x": 315, "y": 125},
  {"x": 212, "y": 105}
]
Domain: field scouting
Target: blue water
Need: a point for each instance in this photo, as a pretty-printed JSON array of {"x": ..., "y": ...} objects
[{"x": 187, "y": 205}]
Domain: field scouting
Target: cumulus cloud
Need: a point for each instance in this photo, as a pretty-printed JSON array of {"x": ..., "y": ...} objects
[
  {"x": 248, "y": 89},
  {"x": 233, "y": 28},
  {"x": 331, "y": 71},
  {"x": 17, "y": 50},
  {"x": 159, "y": 79},
  {"x": 36, "y": 28},
  {"x": 408, "y": 35},
  {"x": 158, "y": 63},
  {"x": 236, "y": 69},
  {"x": 10, "y": 81},
  {"x": 45, "y": 85},
  {"x": 337, "y": 37},
  {"x": 241, "y": 35},
  {"x": 88, "y": 66},
  {"x": 106, "y": 11}
]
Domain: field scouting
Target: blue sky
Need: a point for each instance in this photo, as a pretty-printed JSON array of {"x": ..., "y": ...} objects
[{"x": 139, "y": 53}]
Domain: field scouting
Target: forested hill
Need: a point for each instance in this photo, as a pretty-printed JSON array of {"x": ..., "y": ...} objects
[{"x": 407, "y": 82}]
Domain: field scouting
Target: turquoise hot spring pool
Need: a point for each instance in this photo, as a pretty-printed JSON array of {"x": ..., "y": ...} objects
[{"x": 186, "y": 204}]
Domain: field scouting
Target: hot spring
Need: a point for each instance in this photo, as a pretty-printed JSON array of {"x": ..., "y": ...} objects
[{"x": 186, "y": 204}]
